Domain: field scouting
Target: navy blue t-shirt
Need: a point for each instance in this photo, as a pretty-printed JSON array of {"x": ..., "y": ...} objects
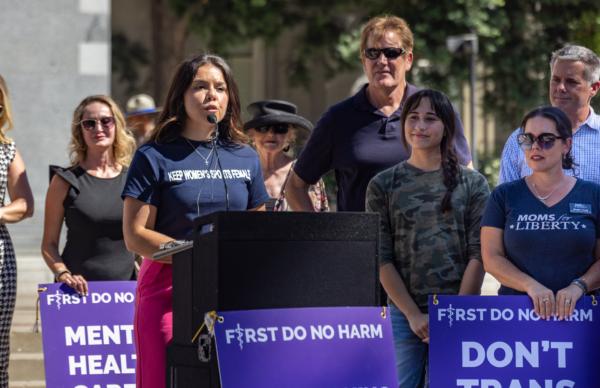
[
  {"x": 358, "y": 141},
  {"x": 184, "y": 185},
  {"x": 555, "y": 244}
]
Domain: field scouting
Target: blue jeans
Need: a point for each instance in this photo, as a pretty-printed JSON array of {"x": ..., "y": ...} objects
[{"x": 411, "y": 352}]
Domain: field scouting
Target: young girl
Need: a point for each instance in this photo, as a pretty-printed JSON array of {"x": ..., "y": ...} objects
[{"x": 430, "y": 208}]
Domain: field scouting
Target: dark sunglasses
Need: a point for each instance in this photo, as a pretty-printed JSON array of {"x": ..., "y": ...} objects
[
  {"x": 388, "y": 52},
  {"x": 544, "y": 140},
  {"x": 279, "y": 129},
  {"x": 90, "y": 124}
]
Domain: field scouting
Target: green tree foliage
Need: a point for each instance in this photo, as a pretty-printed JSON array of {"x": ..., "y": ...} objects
[
  {"x": 226, "y": 23},
  {"x": 127, "y": 57},
  {"x": 516, "y": 38}
]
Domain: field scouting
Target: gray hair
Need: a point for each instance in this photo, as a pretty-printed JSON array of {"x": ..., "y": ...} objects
[{"x": 571, "y": 52}]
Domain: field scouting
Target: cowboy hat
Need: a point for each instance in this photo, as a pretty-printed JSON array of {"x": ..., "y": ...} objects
[{"x": 141, "y": 104}]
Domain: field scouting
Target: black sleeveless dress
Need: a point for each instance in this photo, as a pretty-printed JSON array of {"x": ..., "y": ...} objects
[{"x": 95, "y": 247}]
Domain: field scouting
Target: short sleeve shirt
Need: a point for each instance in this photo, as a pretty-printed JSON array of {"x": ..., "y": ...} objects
[
  {"x": 183, "y": 181},
  {"x": 358, "y": 141},
  {"x": 429, "y": 248},
  {"x": 555, "y": 244}
]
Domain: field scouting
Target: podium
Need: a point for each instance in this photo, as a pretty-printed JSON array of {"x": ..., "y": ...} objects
[{"x": 265, "y": 260}]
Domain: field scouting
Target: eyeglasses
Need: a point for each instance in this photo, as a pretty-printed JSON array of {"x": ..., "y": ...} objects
[
  {"x": 544, "y": 140},
  {"x": 388, "y": 52},
  {"x": 90, "y": 124},
  {"x": 279, "y": 129}
]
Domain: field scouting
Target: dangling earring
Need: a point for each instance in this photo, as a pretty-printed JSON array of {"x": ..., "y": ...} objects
[{"x": 287, "y": 147}]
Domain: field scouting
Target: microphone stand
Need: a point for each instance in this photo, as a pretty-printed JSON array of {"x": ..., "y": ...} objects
[
  {"x": 215, "y": 149},
  {"x": 177, "y": 246}
]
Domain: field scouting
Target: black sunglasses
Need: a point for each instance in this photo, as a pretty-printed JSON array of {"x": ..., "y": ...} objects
[
  {"x": 544, "y": 140},
  {"x": 279, "y": 129},
  {"x": 90, "y": 124},
  {"x": 388, "y": 52}
]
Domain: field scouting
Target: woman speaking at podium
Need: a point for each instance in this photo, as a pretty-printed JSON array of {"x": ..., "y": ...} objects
[{"x": 196, "y": 163}]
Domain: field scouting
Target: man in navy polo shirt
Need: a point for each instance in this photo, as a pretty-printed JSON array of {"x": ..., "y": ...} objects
[{"x": 360, "y": 136}]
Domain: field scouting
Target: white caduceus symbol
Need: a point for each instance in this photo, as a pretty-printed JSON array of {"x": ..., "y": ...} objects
[
  {"x": 240, "y": 336},
  {"x": 58, "y": 299},
  {"x": 450, "y": 314}
]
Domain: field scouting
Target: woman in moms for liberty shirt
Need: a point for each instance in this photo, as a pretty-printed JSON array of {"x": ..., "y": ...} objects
[
  {"x": 540, "y": 234},
  {"x": 177, "y": 177}
]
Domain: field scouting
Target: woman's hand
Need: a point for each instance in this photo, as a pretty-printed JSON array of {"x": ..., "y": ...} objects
[
  {"x": 77, "y": 282},
  {"x": 419, "y": 324},
  {"x": 566, "y": 299},
  {"x": 397, "y": 292},
  {"x": 21, "y": 198},
  {"x": 543, "y": 300}
]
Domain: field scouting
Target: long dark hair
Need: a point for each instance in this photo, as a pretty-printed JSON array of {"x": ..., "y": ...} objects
[
  {"x": 563, "y": 127},
  {"x": 173, "y": 116},
  {"x": 442, "y": 107}
]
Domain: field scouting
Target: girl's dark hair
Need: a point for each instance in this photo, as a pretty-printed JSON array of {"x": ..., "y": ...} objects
[
  {"x": 563, "y": 127},
  {"x": 173, "y": 116},
  {"x": 442, "y": 107}
]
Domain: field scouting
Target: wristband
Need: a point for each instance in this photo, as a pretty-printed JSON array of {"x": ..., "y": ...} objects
[
  {"x": 581, "y": 284},
  {"x": 61, "y": 273}
]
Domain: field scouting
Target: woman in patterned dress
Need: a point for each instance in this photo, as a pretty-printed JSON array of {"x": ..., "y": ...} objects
[
  {"x": 14, "y": 180},
  {"x": 274, "y": 128}
]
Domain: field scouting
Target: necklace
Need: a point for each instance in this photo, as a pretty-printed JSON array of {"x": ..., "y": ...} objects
[
  {"x": 207, "y": 158},
  {"x": 544, "y": 197}
]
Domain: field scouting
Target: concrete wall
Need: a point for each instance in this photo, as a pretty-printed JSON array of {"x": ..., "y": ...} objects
[{"x": 54, "y": 53}]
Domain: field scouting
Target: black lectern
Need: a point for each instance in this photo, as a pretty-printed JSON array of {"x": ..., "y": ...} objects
[{"x": 259, "y": 260}]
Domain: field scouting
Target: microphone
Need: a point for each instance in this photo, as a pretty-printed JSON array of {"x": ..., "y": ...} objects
[{"x": 212, "y": 118}]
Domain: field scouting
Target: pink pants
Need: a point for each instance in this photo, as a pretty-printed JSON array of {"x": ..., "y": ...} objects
[{"x": 153, "y": 323}]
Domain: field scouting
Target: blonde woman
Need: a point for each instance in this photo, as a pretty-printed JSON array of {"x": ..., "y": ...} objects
[
  {"x": 87, "y": 197},
  {"x": 14, "y": 180}
]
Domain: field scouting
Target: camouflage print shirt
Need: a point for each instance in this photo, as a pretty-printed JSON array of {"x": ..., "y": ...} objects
[{"x": 430, "y": 249}]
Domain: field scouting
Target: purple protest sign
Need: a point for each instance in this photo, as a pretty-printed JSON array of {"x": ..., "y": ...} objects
[
  {"x": 499, "y": 342},
  {"x": 88, "y": 340},
  {"x": 306, "y": 347}
]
